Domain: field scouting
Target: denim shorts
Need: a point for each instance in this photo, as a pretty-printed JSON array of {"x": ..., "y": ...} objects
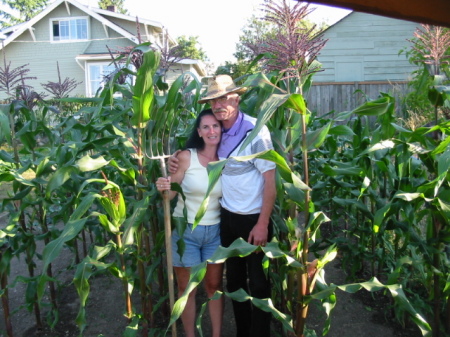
[{"x": 200, "y": 245}]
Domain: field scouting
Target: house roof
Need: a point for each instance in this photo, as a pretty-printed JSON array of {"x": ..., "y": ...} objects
[
  {"x": 197, "y": 64},
  {"x": 434, "y": 12},
  {"x": 126, "y": 17},
  {"x": 13, "y": 32}
]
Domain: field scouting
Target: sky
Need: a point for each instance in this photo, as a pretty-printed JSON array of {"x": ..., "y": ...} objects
[{"x": 217, "y": 24}]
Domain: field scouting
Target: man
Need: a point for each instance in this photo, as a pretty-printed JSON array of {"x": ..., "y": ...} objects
[{"x": 249, "y": 193}]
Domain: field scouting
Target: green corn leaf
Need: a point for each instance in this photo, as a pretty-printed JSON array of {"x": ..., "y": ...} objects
[
  {"x": 132, "y": 328},
  {"x": 15, "y": 176},
  {"x": 297, "y": 103},
  {"x": 268, "y": 107},
  {"x": 198, "y": 321},
  {"x": 5, "y": 129},
  {"x": 133, "y": 222},
  {"x": 59, "y": 178},
  {"x": 214, "y": 172},
  {"x": 53, "y": 249},
  {"x": 143, "y": 89},
  {"x": 315, "y": 139},
  {"x": 239, "y": 248},
  {"x": 87, "y": 163},
  {"x": 282, "y": 166},
  {"x": 263, "y": 304},
  {"x": 84, "y": 271},
  {"x": 197, "y": 274},
  {"x": 374, "y": 108},
  {"x": 436, "y": 98},
  {"x": 341, "y": 130},
  {"x": 380, "y": 215},
  {"x": 84, "y": 206},
  {"x": 444, "y": 162}
]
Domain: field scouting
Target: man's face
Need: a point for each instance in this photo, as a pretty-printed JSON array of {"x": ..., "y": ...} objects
[{"x": 226, "y": 107}]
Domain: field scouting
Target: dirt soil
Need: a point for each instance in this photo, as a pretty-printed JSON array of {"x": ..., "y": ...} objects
[{"x": 355, "y": 315}]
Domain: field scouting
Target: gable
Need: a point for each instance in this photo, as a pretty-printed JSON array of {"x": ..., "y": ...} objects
[
  {"x": 77, "y": 38},
  {"x": 365, "y": 47}
]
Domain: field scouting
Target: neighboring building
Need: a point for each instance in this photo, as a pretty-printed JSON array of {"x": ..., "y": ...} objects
[
  {"x": 78, "y": 37},
  {"x": 362, "y": 53},
  {"x": 365, "y": 47}
]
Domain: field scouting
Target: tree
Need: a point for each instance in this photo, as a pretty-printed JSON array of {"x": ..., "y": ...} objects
[
  {"x": 104, "y": 4},
  {"x": 189, "y": 48},
  {"x": 254, "y": 36},
  {"x": 21, "y": 11}
]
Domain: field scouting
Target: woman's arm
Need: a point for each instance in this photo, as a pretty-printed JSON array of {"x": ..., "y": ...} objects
[{"x": 163, "y": 184}]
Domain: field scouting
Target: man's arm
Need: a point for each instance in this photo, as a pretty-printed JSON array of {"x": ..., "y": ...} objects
[
  {"x": 173, "y": 162},
  {"x": 259, "y": 233}
]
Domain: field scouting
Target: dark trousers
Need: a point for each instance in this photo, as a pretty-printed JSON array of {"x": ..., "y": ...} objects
[{"x": 246, "y": 273}]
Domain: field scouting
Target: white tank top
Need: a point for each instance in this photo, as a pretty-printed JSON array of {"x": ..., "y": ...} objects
[{"x": 195, "y": 185}]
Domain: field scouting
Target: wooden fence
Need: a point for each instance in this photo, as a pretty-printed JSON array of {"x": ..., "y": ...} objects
[{"x": 323, "y": 98}]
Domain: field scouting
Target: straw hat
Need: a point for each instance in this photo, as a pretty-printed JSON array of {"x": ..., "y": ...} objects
[{"x": 221, "y": 85}]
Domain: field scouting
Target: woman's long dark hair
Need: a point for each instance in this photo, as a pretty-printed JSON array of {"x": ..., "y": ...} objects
[{"x": 195, "y": 141}]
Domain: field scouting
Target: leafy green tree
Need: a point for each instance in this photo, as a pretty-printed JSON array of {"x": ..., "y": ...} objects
[
  {"x": 20, "y": 11},
  {"x": 119, "y": 4},
  {"x": 189, "y": 48},
  {"x": 254, "y": 36},
  {"x": 236, "y": 69}
]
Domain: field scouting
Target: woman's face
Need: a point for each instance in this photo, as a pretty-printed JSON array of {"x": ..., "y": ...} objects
[{"x": 210, "y": 130}]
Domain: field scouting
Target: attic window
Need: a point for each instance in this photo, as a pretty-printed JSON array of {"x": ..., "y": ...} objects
[{"x": 69, "y": 29}]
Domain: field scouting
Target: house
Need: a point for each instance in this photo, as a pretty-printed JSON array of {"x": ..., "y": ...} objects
[
  {"x": 362, "y": 53},
  {"x": 80, "y": 39}
]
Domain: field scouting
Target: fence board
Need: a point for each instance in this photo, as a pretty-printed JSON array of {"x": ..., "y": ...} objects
[{"x": 323, "y": 98}]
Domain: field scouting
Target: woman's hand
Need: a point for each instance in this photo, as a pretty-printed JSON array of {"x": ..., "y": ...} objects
[{"x": 163, "y": 184}]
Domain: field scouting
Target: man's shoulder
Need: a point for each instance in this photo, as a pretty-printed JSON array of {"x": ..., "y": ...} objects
[
  {"x": 249, "y": 119},
  {"x": 250, "y": 124}
]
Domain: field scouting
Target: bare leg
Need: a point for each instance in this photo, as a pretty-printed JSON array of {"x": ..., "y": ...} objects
[
  {"x": 213, "y": 282},
  {"x": 188, "y": 315}
]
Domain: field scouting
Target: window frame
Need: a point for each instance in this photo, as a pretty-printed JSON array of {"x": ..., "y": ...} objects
[
  {"x": 103, "y": 63},
  {"x": 69, "y": 20},
  {"x": 89, "y": 81}
]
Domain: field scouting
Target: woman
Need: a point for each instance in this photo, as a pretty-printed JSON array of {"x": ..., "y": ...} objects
[{"x": 205, "y": 238}]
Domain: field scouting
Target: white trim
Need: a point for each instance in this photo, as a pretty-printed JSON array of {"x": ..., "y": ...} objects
[
  {"x": 31, "y": 31},
  {"x": 67, "y": 7},
  {"x": 131, "y": 18},
  {"x": 72, "y": 18},
  {"x": 88, "y": 65},
  {"x": 81, "y": 7}
]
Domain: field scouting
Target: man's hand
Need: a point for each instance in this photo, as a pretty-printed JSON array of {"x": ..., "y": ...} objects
[
  {"x": 258, "y": 235},
  {"x": 172, "y": 162}
]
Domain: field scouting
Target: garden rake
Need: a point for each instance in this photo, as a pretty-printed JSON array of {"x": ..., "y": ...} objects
[{"x": 160, "y": 136}]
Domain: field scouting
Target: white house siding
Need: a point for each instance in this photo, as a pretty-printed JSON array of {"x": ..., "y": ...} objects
[
  {"x": 175, "y": 71},
  {"x": 99, "y": 40},
  {"x": 41, "y": 56},
  {"x": 365, "y": 47},
  {"x": 154, "y": 34}
]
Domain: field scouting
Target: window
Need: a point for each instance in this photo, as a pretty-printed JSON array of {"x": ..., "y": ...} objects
[
  {"x": 69, "y": 29},
  {"x": 97, "y": 73},
  {"x": 96, "y": 76}
]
